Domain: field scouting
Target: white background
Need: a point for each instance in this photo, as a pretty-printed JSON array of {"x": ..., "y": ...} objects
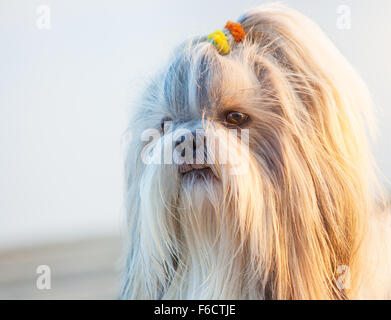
[{"x": 65, "y": 95}]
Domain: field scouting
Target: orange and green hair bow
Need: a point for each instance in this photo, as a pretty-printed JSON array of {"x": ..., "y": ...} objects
[{"x": 219, "y": 39}]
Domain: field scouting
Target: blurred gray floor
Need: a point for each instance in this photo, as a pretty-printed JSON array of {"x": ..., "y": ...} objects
[{"x": 85, "y": 269}]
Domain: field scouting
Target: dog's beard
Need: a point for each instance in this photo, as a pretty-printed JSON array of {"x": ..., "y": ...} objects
[
  {"x": 193, "y": 226},
  {"x": 210, "y": 263}
]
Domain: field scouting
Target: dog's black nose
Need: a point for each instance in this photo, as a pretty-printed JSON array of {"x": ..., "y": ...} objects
[
  {"x": 195, "y": 141},
  {"x": 199, "y": 144}
]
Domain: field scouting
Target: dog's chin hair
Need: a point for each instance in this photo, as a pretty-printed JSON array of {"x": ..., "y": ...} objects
[
  {"x": 209, "y": 264},
  {"x": 190, "y": 235}
]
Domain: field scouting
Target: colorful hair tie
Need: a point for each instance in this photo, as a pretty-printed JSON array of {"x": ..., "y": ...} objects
[
  {"x": 219, "y": 39},
  {"x": 236, "y": 30}
]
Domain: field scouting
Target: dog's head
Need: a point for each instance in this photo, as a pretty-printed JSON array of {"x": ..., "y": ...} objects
[{"x": 247, "y": 173}]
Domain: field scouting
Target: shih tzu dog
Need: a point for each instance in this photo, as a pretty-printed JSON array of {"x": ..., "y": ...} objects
[{"x": 249, "y": 174}]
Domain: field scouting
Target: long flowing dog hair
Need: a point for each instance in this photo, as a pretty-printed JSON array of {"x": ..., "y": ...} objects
[{"x": 309, "y": 207}]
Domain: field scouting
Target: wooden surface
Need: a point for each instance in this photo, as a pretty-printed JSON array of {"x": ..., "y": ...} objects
[{"x": 85, "y": 269}]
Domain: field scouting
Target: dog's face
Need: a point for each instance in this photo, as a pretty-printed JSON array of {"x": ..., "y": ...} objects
[
  {"x": 208, "y": 117},
  {"x": 245, "y": 171},
  {"x": 203, "y": 102}
]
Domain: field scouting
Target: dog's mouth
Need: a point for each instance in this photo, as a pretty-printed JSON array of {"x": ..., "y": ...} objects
[{"x": 194, "y": 168}]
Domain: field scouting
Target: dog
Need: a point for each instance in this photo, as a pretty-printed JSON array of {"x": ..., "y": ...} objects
[{"x": 249, "y": 173}]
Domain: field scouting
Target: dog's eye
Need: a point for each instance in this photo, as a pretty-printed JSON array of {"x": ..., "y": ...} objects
[{"x": 236, "y": 118}]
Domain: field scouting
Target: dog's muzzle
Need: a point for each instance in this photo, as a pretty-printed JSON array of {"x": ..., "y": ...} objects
[
  {"x": 185, "y": 168},
  {"x": 195, "y": 144}
]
